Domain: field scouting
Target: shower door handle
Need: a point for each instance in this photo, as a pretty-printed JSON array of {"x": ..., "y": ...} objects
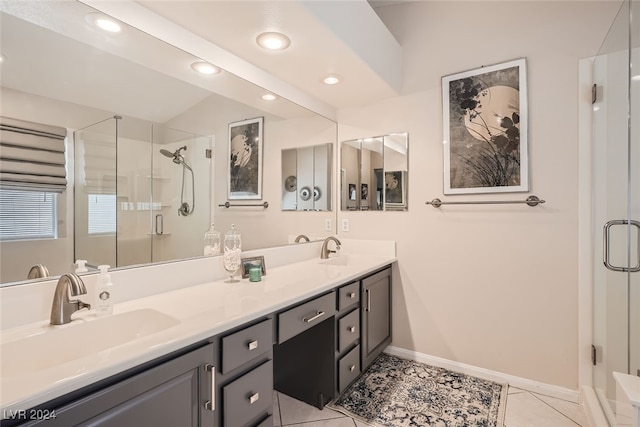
[
  {"x": 606, "y": 230},
  {"x": 159, "y": 224}
]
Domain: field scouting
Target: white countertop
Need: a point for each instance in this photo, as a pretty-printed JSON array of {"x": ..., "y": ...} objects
[
  {"x": 201, "y": 311},
  {"x": 630, "y": 385}
]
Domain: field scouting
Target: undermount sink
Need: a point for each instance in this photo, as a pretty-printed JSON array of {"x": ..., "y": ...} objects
[
  {"x": 338, "y": 260},
  {"x": 54, "y": 345}
]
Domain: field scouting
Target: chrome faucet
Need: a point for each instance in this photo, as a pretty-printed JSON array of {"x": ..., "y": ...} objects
[
  {"x": 62, "y": 307},
  {"x": 325, "y": 251},
  {"x": 300, "y": 237},
  {"x": 38, "y": 271}
]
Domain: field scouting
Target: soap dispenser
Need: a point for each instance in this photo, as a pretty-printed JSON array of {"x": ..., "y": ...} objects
[
  {"x": 104, "y": 292},
  {"x": 211, "y": 242}
]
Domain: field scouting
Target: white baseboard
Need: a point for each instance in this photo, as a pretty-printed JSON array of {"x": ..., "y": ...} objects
[
  {"x": 592, "y": 408},
  {"x": 487, "y": 374}
]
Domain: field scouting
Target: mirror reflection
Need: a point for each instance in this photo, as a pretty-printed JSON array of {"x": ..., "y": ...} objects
[
  {"x": 306, "y": 178},
  {"x": 374, "y": 173},
  {"x": 137, "y": 199},
  {"x": 61, "y": 71}
]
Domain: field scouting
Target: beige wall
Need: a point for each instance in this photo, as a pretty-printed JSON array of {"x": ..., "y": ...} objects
[{"x": 490, "y": 286}]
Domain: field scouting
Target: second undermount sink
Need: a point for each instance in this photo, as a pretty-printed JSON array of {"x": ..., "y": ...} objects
[
  {"x": 338, "y": 260},
  {"x": 54, "y": 345}
]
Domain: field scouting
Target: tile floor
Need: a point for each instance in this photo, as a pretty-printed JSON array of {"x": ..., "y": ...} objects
[{"x": 524, "y": 409}]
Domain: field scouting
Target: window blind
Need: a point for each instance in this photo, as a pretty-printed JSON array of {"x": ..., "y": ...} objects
[
  {"x": 32, "y": 156},
  {"x": 27, "y": 215}
]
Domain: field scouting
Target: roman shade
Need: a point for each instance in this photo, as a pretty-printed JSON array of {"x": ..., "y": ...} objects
[{"x": 32, "y": 156}]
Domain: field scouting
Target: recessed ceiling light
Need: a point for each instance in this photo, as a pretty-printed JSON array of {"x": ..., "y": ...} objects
[
  {"x": 3, "y": 58},
  {"x": 332, "y": 79},
  {"x": 104, "y": 22},
  {"x": 269, "y": 97},
  {"x": 273, "y": 41},
  {"x": 636, "y": 77},
  {"x": 205, "y": 68}
]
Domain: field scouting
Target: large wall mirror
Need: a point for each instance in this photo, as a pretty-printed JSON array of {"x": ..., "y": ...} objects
[
  {"x": 149, "y": 171},
  {"x": 374, "y": 173},
  {"x": 306, "y": 178}
]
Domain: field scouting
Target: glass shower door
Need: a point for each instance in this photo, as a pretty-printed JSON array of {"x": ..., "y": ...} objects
[{"x": 616, "y": 192}]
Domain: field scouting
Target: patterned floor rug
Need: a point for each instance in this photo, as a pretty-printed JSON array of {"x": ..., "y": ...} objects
[{"x": 396, "y": 392}]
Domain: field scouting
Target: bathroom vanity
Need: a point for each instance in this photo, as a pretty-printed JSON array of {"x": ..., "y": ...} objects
[{"x": 308, "y": 330}]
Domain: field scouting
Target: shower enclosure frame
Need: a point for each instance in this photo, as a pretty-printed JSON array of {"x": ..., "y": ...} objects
[
  {"x": 609, "y": 209},
  {"x": 124, "y": 158}
]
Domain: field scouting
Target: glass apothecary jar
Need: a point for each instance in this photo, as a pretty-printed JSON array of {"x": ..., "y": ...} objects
[
  {"x": 232, "y": 252},
  {"x": 212, "y": 242}
]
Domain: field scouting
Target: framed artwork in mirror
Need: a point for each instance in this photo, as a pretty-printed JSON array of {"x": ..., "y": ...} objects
[
  {"x": 485, "y": 129},
  {"x": 352, "y": 192},
  {"x": 395, "y": 189},
  {"x": 364, "y": 191},
  {"x": 245, "y": 160}
]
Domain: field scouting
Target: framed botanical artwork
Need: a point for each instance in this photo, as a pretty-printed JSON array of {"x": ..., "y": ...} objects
[
  {"x": 253, "y": 262},
  {"x": 395, "y": 192},
  {"x": 485, "y": 129},
  {"x": 245, "y": 160},
  {"x": 352, "y": 192},
  {"x": 364, "y": 191}
]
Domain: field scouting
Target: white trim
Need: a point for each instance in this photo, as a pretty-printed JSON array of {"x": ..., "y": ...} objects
[
  {"x": 487, "y": 374},
  {"x": 592, "y": 408}
]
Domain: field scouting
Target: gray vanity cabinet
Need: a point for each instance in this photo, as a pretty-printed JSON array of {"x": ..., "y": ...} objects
[
  {"x": 311, "y": 351},
  {"x": 376, "y": 315},
  {"x": 174, "y": 393},
  {"x": 245, "y": 380}
]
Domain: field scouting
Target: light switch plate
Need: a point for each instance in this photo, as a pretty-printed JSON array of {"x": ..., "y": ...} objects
[
  {"x": 345, "y": 224},
  {"x": 327, "y": 225}
]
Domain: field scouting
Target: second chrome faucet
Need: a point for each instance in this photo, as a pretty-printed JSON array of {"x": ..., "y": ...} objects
[{"x": 325, "y": 251}]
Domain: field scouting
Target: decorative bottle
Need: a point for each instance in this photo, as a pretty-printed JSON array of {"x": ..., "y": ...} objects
[{"x": 211, "y": 242}]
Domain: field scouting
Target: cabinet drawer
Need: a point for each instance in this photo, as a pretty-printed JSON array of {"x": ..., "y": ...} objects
[
  {"x": 348, "y": 368},
  {"x": 348, "y": 295},
  {"x": 348, "y": 329},
  {"x": 242, "y": 346},
  {"x": 248, "y": 396},
  {"x": 300, "y": 318}
]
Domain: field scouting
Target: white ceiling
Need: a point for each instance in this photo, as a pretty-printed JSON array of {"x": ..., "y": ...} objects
[
  {"x": 54, "y": 53},
  {"x": 342, "y": 37},
  {"x": 48, "y": 44}
]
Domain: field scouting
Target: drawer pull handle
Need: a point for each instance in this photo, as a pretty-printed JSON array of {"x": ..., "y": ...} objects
[
  {"x": 253, "y": 345},
  {"x": 211, "y": 404},
  {"x": 312, "y": 318},
  {"x": 254, "y": 398},
  {"x": 351, "y": 329},
  {"x": 351, "y": 295},
  {"x": 352, "y": 368}
]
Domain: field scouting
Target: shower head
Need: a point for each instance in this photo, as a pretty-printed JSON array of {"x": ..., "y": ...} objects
[
  {"x": 175, "y": 156},
  {"x": 166, "y": 153}
]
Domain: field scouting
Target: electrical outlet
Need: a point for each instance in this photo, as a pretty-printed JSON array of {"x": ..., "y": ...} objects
[
  {"x": 345, "y": 224},
  {"x": 327, "y": 225}
]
